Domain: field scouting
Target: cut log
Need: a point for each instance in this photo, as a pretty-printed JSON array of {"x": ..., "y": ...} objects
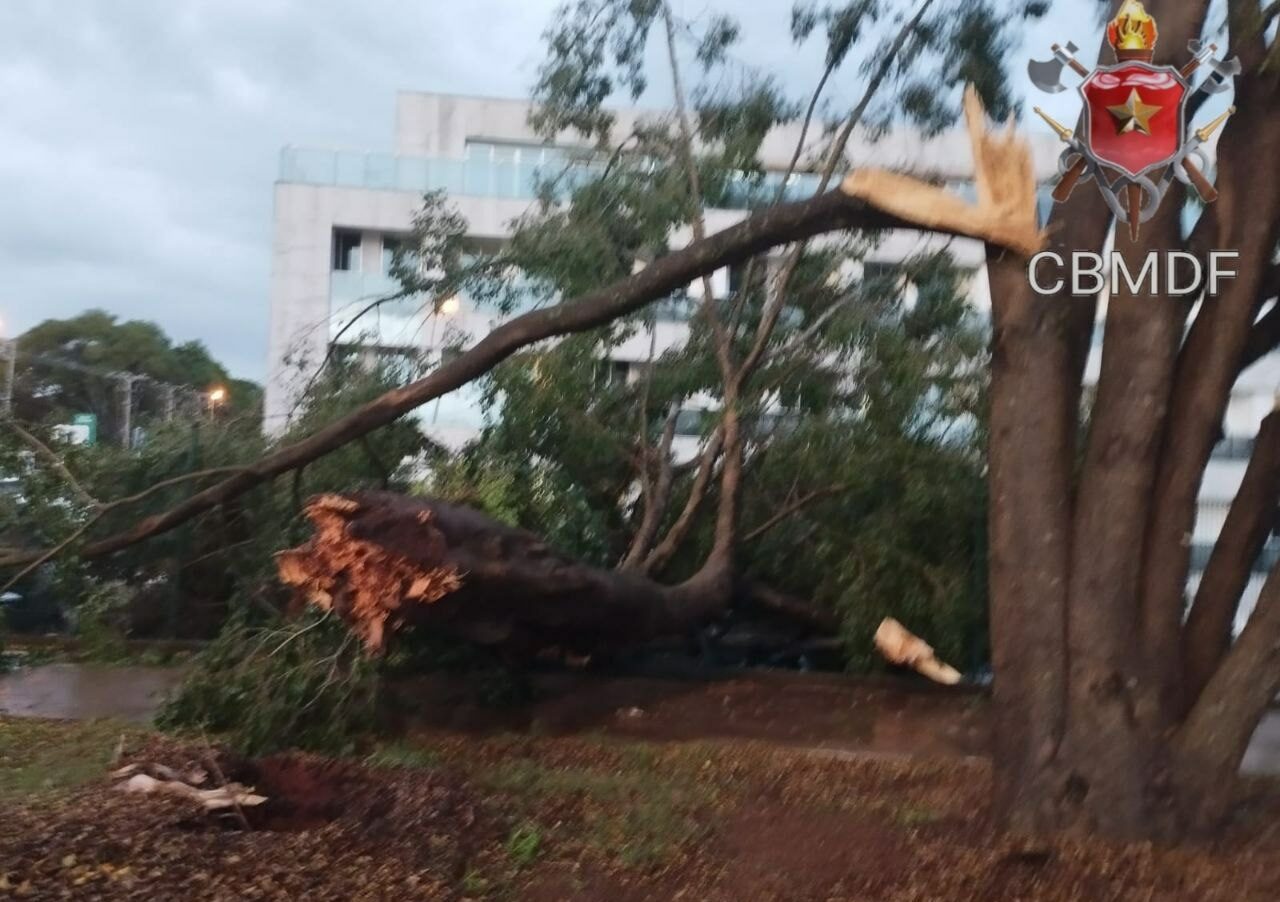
[{"x": 384, "y": 562}]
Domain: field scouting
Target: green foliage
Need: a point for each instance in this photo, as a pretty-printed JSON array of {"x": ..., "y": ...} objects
[
  {"x": 305, "y": 684},
  {"x": 531, "y": 492},
  {"x": 102, "y": 622},
  {"x": 99, "y": 341},
  {"x": 180, "y": 583},
  {"x": 376, "y": 461},
  {"x": 524, "y": 843},
  {"x": 595, "y": 48}
]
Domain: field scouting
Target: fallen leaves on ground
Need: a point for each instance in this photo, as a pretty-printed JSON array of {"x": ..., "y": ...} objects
[{"x": 578, "y": 818}]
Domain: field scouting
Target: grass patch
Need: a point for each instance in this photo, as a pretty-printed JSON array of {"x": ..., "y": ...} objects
[
  {"x": 523, "y": 844},
  {"x": 914, "y": 816},
  {"x": 40, "y": 756},
  {"x": 404, "y": 755},
  {"x": 636, "y": 814}
]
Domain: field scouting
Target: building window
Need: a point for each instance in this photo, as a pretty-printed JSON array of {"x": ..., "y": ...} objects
[
  {"x": 391, "y": 246},
  {"x": 346, "y": 250},
  {"x": 876, "y": 271},
  {"x": 613, "y": 372}
]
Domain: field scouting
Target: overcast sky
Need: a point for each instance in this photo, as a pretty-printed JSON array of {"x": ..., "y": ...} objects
[{"x": 139, "y": 138}]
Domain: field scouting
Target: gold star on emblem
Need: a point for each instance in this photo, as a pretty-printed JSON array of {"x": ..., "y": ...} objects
[{"x": 1134, "y": 115}]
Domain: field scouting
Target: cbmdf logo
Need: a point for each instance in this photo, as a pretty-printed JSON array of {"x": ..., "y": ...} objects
[{"x": 1133, "y": 139}]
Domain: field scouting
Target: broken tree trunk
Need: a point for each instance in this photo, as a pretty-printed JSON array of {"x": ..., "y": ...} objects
[{"x": 383, "y": 562}]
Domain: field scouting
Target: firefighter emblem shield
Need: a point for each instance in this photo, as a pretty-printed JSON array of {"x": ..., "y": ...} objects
[{"x": 1136, "y": 116}]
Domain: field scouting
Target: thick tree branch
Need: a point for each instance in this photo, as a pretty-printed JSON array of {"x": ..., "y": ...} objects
[
  {"x": 1209, "y": 361},
  {"x": 1264, "y": 338},
  {"x": 662, "y": 553},
  {"x": 1207, "y": 634},
  {"x": 656, "y": 497},
  {"x": 1212, "y": 740},
  {"x": 381, "y": 561}
]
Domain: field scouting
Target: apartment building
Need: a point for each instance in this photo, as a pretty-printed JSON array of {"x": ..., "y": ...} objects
[{"x": 340, "y": 215}]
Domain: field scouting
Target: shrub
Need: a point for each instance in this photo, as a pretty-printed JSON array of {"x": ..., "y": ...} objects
[{"x": 305, "y": 684}]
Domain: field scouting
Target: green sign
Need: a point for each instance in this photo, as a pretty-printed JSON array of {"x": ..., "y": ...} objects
[{"x": 88, "y": 421}]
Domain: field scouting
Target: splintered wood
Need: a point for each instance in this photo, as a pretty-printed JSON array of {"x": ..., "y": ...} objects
[
  {"x": 364, "y": 583},
  {"x": 157, "y": 778},
  {"x": 1006, "y": 211},
  {"x": 902, "y": 647}
]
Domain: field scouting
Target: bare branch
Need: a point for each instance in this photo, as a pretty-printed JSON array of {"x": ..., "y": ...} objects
[
  {"x": 666, "y": 549},
  {"x": 776, "y": 301},
  {"x": 1264, "y": 337},
  {"x": 55, "y": 463},
  {"x": 46, "y": 556},
  {"x": 720, "y": 335},
  {"x": 794, "y": 508},
  {"x": 657, "y": 496},
  {"x": 1207, "y": 633}
]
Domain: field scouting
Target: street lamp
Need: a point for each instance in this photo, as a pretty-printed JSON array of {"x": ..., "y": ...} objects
[{"x": 215, "y": 396}]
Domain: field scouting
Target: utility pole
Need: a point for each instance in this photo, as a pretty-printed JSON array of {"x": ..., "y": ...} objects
[
  {"x": 126, "y": 408},
  {"x": 10, "y": 367}
]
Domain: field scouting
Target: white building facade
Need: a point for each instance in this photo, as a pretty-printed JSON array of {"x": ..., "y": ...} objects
[{"x": 339, "y": 216}]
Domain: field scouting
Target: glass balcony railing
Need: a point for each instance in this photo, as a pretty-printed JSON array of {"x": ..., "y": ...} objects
[
  {"x": 484, "y": 176},
  {"x": 387, "y": 172},
  {"x": 514, "y": 180},
  {"x": 352, "y": 286}
]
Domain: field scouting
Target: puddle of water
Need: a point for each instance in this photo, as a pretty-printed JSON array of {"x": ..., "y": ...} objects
[{"x": 87, "y": 691}]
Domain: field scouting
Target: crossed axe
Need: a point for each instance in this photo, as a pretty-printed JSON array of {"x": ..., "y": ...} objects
[{"x": 1047, "y": 76}]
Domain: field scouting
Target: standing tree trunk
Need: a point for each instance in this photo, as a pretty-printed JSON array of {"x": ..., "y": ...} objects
[{"x": 1102, "y": 724}]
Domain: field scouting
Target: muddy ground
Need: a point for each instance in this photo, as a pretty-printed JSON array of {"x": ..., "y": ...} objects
[{"x": 723, "y": 792}]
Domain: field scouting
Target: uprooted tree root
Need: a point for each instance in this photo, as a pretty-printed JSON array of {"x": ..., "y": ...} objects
[{"x": 367, "y": 583}]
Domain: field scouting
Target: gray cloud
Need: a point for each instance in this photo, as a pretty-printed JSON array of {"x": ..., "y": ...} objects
[{"x": 139, "y": 139}]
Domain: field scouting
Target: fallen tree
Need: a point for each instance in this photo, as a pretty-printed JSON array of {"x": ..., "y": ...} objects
[{"x": 383, "y": 562}]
